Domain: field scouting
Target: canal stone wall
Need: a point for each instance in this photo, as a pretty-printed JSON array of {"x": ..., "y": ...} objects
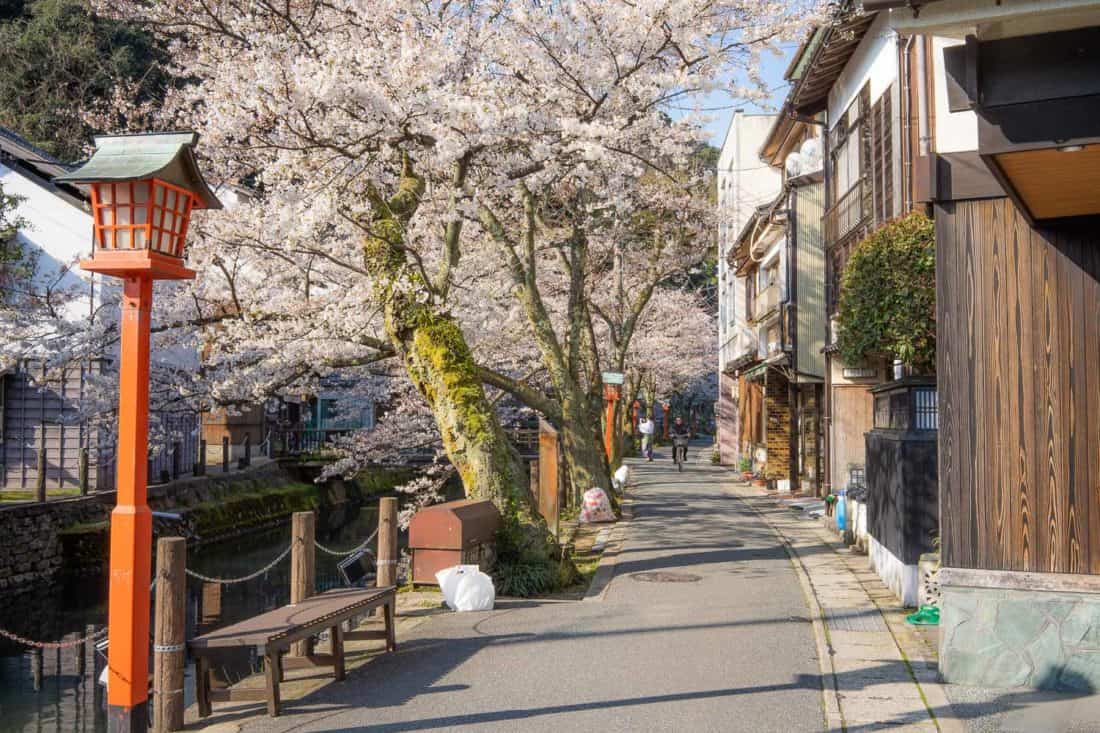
[{"x": 39, "y": 543}]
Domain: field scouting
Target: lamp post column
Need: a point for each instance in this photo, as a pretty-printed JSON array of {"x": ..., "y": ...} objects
[
  {"x": 131, "y": 521},
  {"x": 611, "y": 395}
]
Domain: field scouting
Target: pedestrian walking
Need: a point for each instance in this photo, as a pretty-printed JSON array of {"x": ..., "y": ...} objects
[{"x": 647, "y": 428}]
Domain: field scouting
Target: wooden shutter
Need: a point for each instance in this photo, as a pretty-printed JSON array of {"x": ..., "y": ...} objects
[{"x": 882, "y": 160}]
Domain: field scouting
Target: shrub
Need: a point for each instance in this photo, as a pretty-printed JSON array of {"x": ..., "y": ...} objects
[
  {"x": 521, "y": 569},
  {"x": 888, "y": 296}
]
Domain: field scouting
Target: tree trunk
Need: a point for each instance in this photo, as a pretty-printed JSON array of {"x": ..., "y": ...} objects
[
  {"x": 582, "y": 444},
  {"x": 437, "y": 359}
]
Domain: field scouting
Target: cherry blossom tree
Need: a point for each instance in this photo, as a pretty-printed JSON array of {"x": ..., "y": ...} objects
[{"x": 409, "y": 164}]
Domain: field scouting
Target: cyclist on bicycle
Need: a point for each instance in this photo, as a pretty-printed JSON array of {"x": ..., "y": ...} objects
[{"x": 680, "y": 435}]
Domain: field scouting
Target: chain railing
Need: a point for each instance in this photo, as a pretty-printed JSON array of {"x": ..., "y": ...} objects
[
  {"x": 245, "y": 578},
  {"x": 52, "y": 644},
  {"x": 346, "y": 553}
]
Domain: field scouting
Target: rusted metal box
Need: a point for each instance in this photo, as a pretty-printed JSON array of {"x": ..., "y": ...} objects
[{"x": 454, "y": 533}]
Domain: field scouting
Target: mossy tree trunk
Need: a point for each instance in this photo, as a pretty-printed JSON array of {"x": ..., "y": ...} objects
[{"x": 437, "y": 358}]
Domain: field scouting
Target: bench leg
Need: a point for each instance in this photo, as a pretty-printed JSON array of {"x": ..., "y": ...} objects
[
  {"x": 391, "y": 636},
  {"x": 274, "y": 664},
  {"x": 336, "y": 638},
  {"x": 202, "y": 685}
]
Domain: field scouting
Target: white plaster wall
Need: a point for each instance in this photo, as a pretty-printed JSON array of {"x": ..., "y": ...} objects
[
  {"x": 955, "y": 131},
  {"x": 902, "y": 579},
  {"x": 875, "y": 61},
  {"x": 58, "y": 231}
]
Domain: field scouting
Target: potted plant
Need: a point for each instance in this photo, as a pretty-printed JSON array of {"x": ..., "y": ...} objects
[
  {"x": 746, "y": 468},
  {"x": 759, "y": 480}
]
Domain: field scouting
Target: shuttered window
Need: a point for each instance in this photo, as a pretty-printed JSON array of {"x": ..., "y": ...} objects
[{"x": 881, "y": 156}]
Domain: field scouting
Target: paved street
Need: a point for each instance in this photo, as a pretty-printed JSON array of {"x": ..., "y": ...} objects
[{"x": 730, "y": 650}]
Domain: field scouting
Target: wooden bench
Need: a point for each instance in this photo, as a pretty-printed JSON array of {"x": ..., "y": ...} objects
[{"x": 273, "y": 632}]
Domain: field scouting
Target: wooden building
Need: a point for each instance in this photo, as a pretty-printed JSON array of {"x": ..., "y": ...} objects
[
  {"x": 779, "y": 259},
  {"x": 1016, "y": 203}
]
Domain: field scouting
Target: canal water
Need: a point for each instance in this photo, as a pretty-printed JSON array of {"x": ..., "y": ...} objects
[{"x": 55, "y": 691}]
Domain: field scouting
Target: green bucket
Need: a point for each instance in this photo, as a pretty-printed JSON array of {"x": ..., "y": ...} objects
[{"x": 926, "y": 616}]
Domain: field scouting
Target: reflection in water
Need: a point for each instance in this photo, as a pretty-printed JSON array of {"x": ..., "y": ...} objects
[{"x": 54, "y": 690}]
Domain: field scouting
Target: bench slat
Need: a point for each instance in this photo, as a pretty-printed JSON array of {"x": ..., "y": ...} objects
[{"x": 293, "y": 622}]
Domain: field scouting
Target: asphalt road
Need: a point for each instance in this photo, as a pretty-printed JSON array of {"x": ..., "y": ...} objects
[{"x": 728, "y": 648}]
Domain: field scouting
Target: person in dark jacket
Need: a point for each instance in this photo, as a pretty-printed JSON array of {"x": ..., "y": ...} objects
[{"x": 680, "y": 434}]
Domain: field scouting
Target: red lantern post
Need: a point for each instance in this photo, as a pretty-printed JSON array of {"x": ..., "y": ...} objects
[
  {"x": 612, "y": 393},
  {"x": 143, "y": 190}
]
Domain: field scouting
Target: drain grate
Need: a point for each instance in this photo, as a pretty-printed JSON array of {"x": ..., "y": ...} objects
[
  {"x": 854, "y": 619},
  {"x": 666, "y": 577}
]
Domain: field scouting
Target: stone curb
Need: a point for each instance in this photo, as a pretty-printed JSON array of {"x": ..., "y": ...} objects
[{"x": 605, "y": 571}]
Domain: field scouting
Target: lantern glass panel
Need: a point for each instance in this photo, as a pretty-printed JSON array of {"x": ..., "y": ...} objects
[
  {"x": 122, "y": 193},
  {"x": 141, "y": 192}
]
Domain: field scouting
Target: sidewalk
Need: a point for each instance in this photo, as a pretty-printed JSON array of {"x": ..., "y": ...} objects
[{"x": 880, "y": 673}]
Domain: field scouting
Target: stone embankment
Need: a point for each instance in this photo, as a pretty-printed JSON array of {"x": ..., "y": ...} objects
[{"x": 41, "y": 542}]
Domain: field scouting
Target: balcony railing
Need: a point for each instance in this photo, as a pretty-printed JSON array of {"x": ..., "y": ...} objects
[
  {"x": 847, "y": 214},
  {"x": 766, "y": 301}
]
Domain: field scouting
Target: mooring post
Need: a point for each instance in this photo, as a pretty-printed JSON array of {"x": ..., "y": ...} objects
[
  {"x": 200, "y": 460},
  {"x": 177, "y": 459},
  {"x": 82, "y": 472},
  {"x": 40, "y": 476},
  {"x": 387, "y": 541},
  {"x": 169, "y": 634},
  {"x": 303, "y": 556}
]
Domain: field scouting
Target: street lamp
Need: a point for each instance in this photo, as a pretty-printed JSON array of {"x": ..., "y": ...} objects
[
  {"x": 143, "y": 190},
  {"x": 612, "y": 393}
]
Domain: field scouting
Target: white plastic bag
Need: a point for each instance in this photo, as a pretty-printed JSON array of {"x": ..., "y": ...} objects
[
  {"x": 596, "y": 507},
  {"x": 621, "y": 476},
  {"x": 449, "y": 578},
  {"x": 475, "y": 592}
]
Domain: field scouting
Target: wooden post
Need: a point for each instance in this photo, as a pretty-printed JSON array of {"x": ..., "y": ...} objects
[
  {"x": 246, "y": 459},
  {"x": 200, "y": 460},
  {"x": 387, "y": 541},
  {"x": 225, "y": 454},
  {"x": 169, "y": 635},
  {"x": 37, "y": 660},
  {"x": 82, "y": 472},
  {"x": 40, "y": 476},
  {"x": 177, "y": 459},
  {"x": 303, "y": 555}
]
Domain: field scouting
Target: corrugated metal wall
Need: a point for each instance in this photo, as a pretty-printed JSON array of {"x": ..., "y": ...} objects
[{"x": 809, "y": 205}]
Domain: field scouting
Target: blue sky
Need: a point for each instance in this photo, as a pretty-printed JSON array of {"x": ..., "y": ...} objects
[{"x": 721, "y": 105}]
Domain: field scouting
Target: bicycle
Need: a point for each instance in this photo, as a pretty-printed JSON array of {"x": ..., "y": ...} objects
[{"x": 679, "y": 448}]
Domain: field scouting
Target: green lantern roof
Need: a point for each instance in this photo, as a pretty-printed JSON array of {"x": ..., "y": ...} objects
[{"x": 169, "y": 156}]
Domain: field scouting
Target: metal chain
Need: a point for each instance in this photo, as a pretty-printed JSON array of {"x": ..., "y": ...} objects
[
  {"x": 52, "y": 644},
  {"x": 338, "y": 553},
  {"x": 60, "y": 644},
  {"x": 252, "y": 576}
]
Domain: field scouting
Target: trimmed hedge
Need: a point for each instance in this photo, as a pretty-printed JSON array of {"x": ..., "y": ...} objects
[{"x": 888, "y": 296}]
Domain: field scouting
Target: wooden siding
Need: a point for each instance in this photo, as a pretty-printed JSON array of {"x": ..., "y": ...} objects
[
  {"x": 42, "y": 418},
  {"x": 1019, "y": 336}
]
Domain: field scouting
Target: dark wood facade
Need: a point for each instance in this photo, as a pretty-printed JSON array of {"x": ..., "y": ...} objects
[{"x": 1018, "y": 313}]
